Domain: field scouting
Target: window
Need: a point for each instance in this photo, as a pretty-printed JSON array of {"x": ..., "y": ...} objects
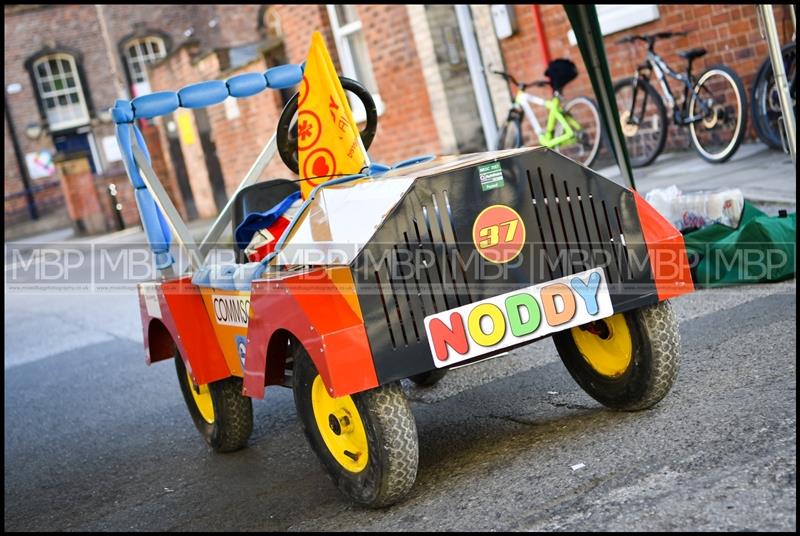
[
  {"x": 353, "y": 54},
  {"x": 138, "y": 53},
  {"x": 60, "y": 91},
  {"x": 615, "y": 18}
]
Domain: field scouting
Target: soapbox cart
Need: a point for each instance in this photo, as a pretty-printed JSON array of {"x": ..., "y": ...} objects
[{"x": 401, "y": 272}]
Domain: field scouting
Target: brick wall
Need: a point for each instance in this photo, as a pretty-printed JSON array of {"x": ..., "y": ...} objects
[
  {"x": 729, "y": 33},
  {"x": 28, "y": 30},
  {"x": 405, "y": 129}
]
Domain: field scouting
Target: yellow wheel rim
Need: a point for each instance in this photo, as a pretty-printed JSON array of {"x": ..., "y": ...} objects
[
  {"x": 606, "y": 345},
  {"x": 341, "y": 427},
  {"x": 202, "y": 399}
]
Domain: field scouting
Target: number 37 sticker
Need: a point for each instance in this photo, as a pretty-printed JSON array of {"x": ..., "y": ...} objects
[{"x": 498, "y": 233}]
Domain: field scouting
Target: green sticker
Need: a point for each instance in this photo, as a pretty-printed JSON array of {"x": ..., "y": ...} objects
[{"x": 491, "y": 176}]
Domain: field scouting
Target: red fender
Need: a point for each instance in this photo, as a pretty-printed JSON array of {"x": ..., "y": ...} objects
[
  {"x": 319, "y": 308},
  {"x": 176, "y": 313}
]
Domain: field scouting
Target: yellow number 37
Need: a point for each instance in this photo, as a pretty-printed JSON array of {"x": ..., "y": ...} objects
[{"x": 491, "y": 234}]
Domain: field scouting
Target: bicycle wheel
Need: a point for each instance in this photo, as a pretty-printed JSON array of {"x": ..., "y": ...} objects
[
  {"x": 645, "y": 130},
  {"x": 510, "y": 135},
  {"x": 584, "y": 150},
  {"x": 717, "y": 136},
  {"x": 766, "y": 105}
]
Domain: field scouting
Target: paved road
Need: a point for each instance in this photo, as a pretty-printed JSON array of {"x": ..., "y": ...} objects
[{"x": 95, "y": 440}]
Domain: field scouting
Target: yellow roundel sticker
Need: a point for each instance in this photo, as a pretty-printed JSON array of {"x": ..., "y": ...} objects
[{"x": 498, "y": 233}]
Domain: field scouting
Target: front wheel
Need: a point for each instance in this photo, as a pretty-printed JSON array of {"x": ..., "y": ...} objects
[
  {"x": 367, "y": 442},
  {"x": 588, "y": 137},
  {"x": 628, "y": 361},
  {"x": 643, "y": 118},
  {"x": 766, "y": 105},
  {"x": 509, "y": 136},
  {"x": 720, "y": 101},
  {"x": 221, "y": 413}
]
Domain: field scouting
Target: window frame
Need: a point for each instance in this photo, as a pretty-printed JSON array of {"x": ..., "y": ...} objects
[
  {"x": 79, "y": 89},
  {"x": 346, "y": 58},
  {"x": 150, "y": 57}
]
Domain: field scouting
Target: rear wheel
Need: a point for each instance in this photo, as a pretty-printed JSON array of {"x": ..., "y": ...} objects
[
  {"x": 643, "y": 118},
  {"x": 628, "y": 361},
  {"x": 222, "y": 415},
  {"x": 509, "y": 136},
  {"x": 583, "y": 111},
  {"x": 430, "y": 378},
  {"x": 367, "y": 442},
  {"x": 717, "y": 136}
]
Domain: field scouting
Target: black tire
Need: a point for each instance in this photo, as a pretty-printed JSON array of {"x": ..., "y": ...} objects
[
  {"x": 706, "y": 148},
  {"x": 286, "y": 137},
  {"x": 430, "y": 378},
  {"x": 509, "y": 135},
  {"x": 652, "y": 369},
  {"x": 764, "y": 103},
  {"x": 655, "y": 135},
  {"x": 391, "y": 434},
  {"x": 233, "y": 412}
]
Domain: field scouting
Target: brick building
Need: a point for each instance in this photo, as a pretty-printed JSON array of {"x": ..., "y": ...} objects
[{"x": 424, "y": 64}]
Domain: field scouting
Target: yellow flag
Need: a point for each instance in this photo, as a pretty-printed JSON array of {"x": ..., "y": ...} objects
[{"x": 328, "y": 142}]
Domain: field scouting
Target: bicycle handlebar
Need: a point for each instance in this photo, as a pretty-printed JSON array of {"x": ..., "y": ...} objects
[{"x": 507, "y": 77}]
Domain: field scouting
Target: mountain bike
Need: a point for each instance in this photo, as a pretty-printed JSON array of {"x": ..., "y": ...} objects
[
  {"x": 713, "y": 108},
  {"x": 766, "y": 105},
  {"x": 572, "y": 129}
]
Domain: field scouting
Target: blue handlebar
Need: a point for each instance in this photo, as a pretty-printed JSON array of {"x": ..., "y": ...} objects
[{"x": 206, "y": 93}]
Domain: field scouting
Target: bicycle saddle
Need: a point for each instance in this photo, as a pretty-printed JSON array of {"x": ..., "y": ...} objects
[{"x": 692, "y": 54}]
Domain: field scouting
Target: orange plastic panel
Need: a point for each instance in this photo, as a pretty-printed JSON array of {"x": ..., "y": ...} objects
[{"x": 667, "y": 252}]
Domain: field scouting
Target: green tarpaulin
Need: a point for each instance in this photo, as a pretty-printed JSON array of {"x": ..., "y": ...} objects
[{"x": 761, "y": 249}]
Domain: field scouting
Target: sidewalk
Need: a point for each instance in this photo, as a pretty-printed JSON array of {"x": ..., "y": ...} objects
[{"x": 763, "y": 175}]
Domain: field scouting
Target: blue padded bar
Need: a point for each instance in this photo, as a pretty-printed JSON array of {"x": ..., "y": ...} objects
[
  {"x": 140, "y": 141},
  {"x": 414, "y": 160},
  {"x": 201, "y": 276},
  {"x": 122, "y": 112},
  {"x": 203, "y": 94},
  {"x": 247, "y": 84},
  {"x": 221, "y": 276},
  {"x": 377, "y": 169},
  {"x": 151, "y": 221},
  {"x": 127, "y": 153},
  {"x": 155, "y": 104},
  {"x": 244, "y": 275},
  {"x": 284, "y": 76}
]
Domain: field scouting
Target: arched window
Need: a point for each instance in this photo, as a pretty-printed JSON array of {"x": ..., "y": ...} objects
[
  {"x": 138, "y": 53},
  {"x": 60, "y": 91}
]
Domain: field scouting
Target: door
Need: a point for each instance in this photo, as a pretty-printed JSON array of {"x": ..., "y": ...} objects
[
  {"x": 212, "y": 162},
  {"x": 451, "y": 59},
  {"x": 176, "y": 155}
]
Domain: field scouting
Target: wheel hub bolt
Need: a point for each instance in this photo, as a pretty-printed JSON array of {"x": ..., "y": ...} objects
[{"x": 340, "y": 422}]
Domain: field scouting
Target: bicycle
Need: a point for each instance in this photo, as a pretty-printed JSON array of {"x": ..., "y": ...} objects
[
  {"x": 766, "y": 105},
  {"x": 573, "y": 130},
  {"x": 713, "y": 103}
]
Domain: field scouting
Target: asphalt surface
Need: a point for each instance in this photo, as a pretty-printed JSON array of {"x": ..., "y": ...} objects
[{"x": 95, "y": 440}]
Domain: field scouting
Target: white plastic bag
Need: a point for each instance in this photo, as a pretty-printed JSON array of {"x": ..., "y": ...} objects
[{"x": 692, "y": 210}]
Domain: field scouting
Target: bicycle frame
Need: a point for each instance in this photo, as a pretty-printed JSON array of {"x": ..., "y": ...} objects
[
  {"x": 554, "y": 113},
  {"x": 657, "y": 64}
]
